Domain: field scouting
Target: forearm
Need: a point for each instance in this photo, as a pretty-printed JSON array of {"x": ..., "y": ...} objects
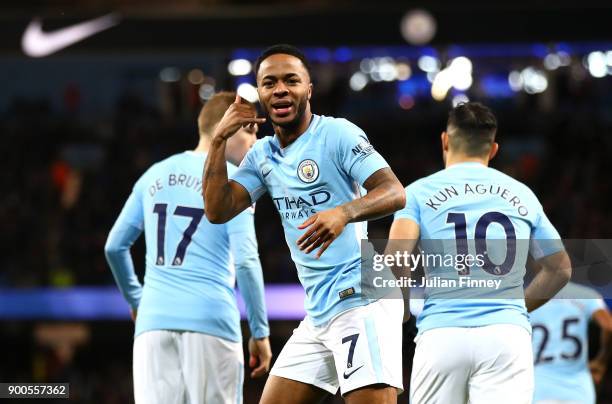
[
  {"x": 215, "y": 184},
  {"x": 378, "y": 202},
  {"x": 117, "y": 251},
  {"x": 545, "y": 285},
  {"x": 250, "y": 283},
  {"x": 403, "y": 238},
  {"x": 605, "y": 351}
]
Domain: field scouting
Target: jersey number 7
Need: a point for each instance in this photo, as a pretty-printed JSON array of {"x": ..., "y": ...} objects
[{"x": 196, "y": 216}]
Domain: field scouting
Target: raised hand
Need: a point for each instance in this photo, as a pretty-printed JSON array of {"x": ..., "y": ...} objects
[{"x": 238, "y": 115}]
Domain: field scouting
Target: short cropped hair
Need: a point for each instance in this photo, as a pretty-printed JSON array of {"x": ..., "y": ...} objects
[
  {"x": 472, "y": 128},
  {"x": 284, "y": 49},
  {"x": 213, "y": 110}
]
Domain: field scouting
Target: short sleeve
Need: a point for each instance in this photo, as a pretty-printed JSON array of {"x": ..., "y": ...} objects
[
  {"x": 545, "y": 239},
  {"x": 249, "y": 177},
  {"x": 411, "y": 210},
  {"x": 353, "y": 151}
]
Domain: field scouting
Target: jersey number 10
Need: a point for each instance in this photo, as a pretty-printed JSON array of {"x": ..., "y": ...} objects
[{"x": 481, "y": 240}]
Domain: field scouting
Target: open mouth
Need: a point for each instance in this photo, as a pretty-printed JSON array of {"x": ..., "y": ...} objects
[{"x": 282, "y": 108}]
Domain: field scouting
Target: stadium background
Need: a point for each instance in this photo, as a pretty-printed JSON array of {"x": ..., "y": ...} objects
[{"x": 79, "y": 126}]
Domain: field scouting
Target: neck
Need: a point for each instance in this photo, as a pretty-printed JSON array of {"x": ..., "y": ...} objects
[
  {"x": 288, "y": 135},
  {"x": 203, "y": 144},
  {"x": 452, "y": 159}
]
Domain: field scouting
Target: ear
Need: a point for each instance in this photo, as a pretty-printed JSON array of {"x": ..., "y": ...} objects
[
  {"x": 309, "y": 91},
  {"x": 494, "y": 149},
  {"x": 444, "y": 140}
]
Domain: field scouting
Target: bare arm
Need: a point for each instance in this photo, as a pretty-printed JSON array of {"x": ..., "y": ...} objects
[
  {"x": 403, "y": 236},
  {"x": 224, "y": 199},
  {"x": 599, "y": 364},
  {"x": 555, "y": 272},
  {"x": 385, "y": 196}
]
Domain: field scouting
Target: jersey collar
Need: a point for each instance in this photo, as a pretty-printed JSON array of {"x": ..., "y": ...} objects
[{"x": 309, "y": 130}]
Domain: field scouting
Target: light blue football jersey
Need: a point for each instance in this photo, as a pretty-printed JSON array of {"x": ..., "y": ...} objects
[
  {"x": 560, "y": 345},
  {"x": 323, "y": 168},
  {"x": 191, "y": 264},
  {"x": 469, "y": 208}
]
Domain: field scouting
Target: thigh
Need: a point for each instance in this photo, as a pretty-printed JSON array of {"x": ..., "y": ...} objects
[
  {"x": 281, "y": 390},
  {"x": 503, "y": 366},
  {"x": 376, "y": 393},
  {"x": 212, "y": 368},
  {"x": 441, "y": 367},
  {"x": 156, "y": 369},
  {"x": 305, "y": 359},
  {"x": 367, "y": 346}
]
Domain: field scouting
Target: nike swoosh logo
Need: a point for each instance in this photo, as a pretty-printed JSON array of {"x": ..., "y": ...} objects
[
  {"x": 37, "y": 43},
  {"x": 346, "y": 376},
  {"x": 267, "y": 173}
]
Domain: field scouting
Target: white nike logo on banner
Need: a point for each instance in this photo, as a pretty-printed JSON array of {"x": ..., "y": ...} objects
[{"x": 37, "y": 43}]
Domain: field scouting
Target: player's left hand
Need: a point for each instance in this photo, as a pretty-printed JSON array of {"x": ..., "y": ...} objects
[
  {"x": 260, "y": 356},
  {"x": 598, "y": 370},
  {"x": 323, "y": 228}
]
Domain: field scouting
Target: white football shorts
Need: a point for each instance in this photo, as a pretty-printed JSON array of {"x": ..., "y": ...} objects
[
  {"x": 477, "y": 365},
  {"x": 357, "y": 348},
  {"x": 182, "y": 367}
]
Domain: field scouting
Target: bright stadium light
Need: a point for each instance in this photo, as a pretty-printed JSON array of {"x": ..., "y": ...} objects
[
  {"x": 358, "y": 81},
  {"x": 515, "y": 80},
  {"x": 429, "y": 64},
  {"x": 418, "y": 27},
  {"x": 564, "y": 58},
  {"x": 460, "y": 69},
  {"x": 367, "y": 65},
  {"x": 462, "y": 65},
  {"x": 239, "y": 67},
  {"x": 552, "y": 61},
  {"x": 387, "y": 70},
  {"x": 597, "y": 64},
  {"x": 403, "y": 71},
  {"x": 248, "y": 92},
  {"x": 441, "y": 84},
  {"x": 462, "y": 82},
  {"x": 534, "y": 80},
  {"x": 375, "y": 76}
]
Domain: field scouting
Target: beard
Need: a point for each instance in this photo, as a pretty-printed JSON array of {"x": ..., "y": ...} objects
[{"x": 299, "y": 114}]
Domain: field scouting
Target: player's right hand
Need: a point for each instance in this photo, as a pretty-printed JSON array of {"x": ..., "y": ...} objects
[
  {"x": 238, "y": 115},
  {"x": 260, "y": 356}
]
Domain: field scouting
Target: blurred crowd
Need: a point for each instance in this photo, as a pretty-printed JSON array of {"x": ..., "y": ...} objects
[{"x": 66, "y": 177}]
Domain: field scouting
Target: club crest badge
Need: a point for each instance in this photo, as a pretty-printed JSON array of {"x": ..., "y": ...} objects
[{"x": 308, "y": 171}]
